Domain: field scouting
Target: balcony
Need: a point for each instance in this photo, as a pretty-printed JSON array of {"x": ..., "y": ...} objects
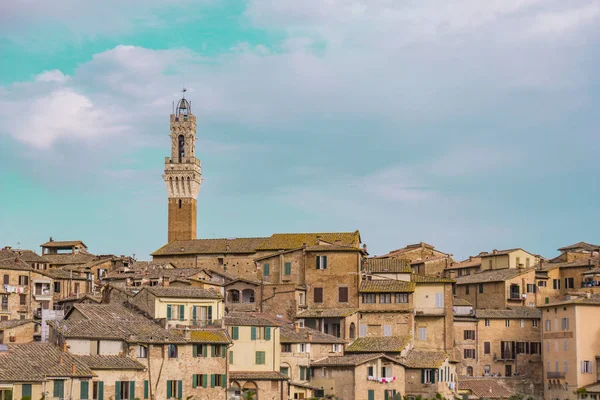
[
  {"x": 430, "y": 311},
  {"x": 555, "y": 375},
  {"x": 42, "y": 292}
]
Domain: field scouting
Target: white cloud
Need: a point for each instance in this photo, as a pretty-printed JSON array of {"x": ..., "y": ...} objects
[{"x": 52, "y": 76}]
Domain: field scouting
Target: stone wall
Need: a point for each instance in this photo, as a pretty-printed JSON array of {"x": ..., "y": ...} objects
[{"x": 182, "y": 219}]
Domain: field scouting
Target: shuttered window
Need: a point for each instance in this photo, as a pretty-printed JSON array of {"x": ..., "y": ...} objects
[
  {"x": 260, "y": 358},
  {"x": 287, "y": 268},
  {"x": 318, "y": 295},
  {"x": 343, "y": 295}
]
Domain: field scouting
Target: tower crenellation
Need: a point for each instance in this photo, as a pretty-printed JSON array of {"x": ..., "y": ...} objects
[{"x": 183, "y": 173}]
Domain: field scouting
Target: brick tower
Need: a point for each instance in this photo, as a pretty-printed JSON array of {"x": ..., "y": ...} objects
[{"x": 182, "y": 173}]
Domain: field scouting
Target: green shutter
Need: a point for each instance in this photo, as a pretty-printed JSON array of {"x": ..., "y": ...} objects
[
  {"x": 209, "y": 316},
  {"x": 317, "y": 258},
  {"x": 324, "y": 262},
  {"x": 235, "y": 333},
  {"x": 194, "y": 380},
  {"x": 59, "y": 388},
  {"x": 301, "y": 373},
  {"x": 204, "y": 380},
  {"x": 267, "y": 332},
  {"x": 223, "y": 351},
  {"x": 213, "y": 379},
  {"x": 132, "y": 389},
  {"x": 257, "y": 357},
  {"x": 169, "y": 392},
  {"x": 385, "y": 395},
  {"x": 230, "y": 357},
  {"x": 214, "y": 350},
  {"x": 179, "y": 389},
  {"x": 146, "y": 389},
  {"x": 194, "y": 313},
  {"x": 253, "y": 333},
  {"x": 181, "y": 312},
  {"x": 223, "y": 380},
  {"x": 422, "y": 376},
  {"x": 84, "y": 390},
  {"x": 117, "y": 390},
  {"x": 168, "y": 311},
  {"x": 101, "y": 390},
  {"x": 433, "y": 374},
  {"x": 204, "y": 350},
  {"x": 266, "y": 270},
  {"x": 288, "y": 268},
  {"x": 371, "y": 394},
  {"x": 195, "y": 350},
  {"x": 26, "y": 390}
]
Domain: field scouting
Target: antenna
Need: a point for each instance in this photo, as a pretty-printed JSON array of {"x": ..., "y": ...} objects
[{"x": 183, "y": 91}]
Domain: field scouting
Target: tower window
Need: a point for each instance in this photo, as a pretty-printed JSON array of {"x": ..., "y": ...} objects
[
  {"x": 181, "y": 148},
  {"x": 179, "y": 203}
]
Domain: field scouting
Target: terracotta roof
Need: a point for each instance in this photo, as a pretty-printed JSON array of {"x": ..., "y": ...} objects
[
  {"x": 424, "y": 359},
  {"x": 109, "y": 362},
  {"x": 411, "y": 247},
  {"x": 592, "y": 388},
  {"x": 581, "y": 245},
  {"x": 211, "y": 246},
  {"x": 107, "y": 312},
  {"x": 332, "y": 247},
  {"x": 383, "y": 265},
  {"x": 460, "y": 302},
  {"x": 584, "y": 262},
  {"x": 13, "y": 323},
  {"x": 33, "y": 362},
  {"x": 209, "y": 336},
  {"x": 429, "y": 279},
  {"x": 10, "y": 260},
  {"x": 428, "y": 259},
  {"x": 181, "y": 292},
  {"x": 501, "y": 252},
  {"x": 326, "y": 313},
  {"x": 492, "y": 275},
  {"x": 594, "y": 300},
  {"x": 63, "y": 243},
  {"x": 133, "y": 331},
  {"x": 470, "y": 262},
  {"x": 67, "y": 259},
  {"x": 486, "y": 388},
  {"x": 152, "y": 271},
  {"x": 257, "y": 376},
  {"x": 289, "y": 335},
  {"x": 285, "y": 241},
  {"x": 59, "y": 273},
  {"x": 241, "y": 318},
  {"x": 510, "y": 313},
  {"x": 30, "y": 256},
  {"x": 303, "y": 385},
  {"x": 350, "y": 360},
  {"x": 386, "y": 286},
  {"x": 80, "y": 298},
  {"x": 379, "y": 344}
]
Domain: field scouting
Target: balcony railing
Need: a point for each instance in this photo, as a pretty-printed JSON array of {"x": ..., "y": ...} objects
[
  {"x": 515, "y": 296},
  {"x": 555, "y": 374},
  {"x": 207, "y": 323}
]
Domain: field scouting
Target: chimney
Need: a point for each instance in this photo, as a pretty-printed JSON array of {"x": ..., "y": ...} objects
[
  {"x": 227, "y": 247},
  {"x": 51, "y": 240},
  {"x": 495, "y": 251},
  {"x": 451, "y": 274},
  {"x": 365, "y": 247},
  {"x": 296, "y": 327},
  {"x": 74, "y": 369},
  {"x": 318, "y": 239},
  {"x": 540, "y": 264},
  {"x": 470, "y": 258},
  {"x": 309, "y": 336},
  {"x": 60, "y": 360},
  {"x": 165, "y": 281}
]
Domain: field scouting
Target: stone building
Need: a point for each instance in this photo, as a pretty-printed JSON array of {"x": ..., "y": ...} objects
[{"x": 19, "y": 331}]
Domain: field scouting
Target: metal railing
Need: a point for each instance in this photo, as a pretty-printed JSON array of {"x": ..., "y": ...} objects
[{"x": 555, "y": 374}]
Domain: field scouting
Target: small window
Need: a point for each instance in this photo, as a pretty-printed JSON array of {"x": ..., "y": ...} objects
[
  {"x": 23, "y": 280},
  {"x": 266, "y": 269},
  {"x": 469, "y": 335},
  {"x": 466, "y": 289},
  {"x": 369, "y": 298},
  {"x": 141, "y": 351},
  {"x": 487, "y": 322},
  {"x": 385, "y": 298},
  {"x": 286, "y": 348},
  {"x": 469, "y": 353},
  {"x": 481, "y": 288},
  {"x": 318, "y": 295},
  {"x": 321, "y": 262},
  {"x": 260, "y": 358},
  {"x": 486, "y": 348},
  {"x": 401, "y": 297},
  {"x": 565, "y": 324},
  {"x": 23, "y": 299},
  {"x": 507, "y": 323},
  {"x": 534, "y": 323},
  {"x": 343, "y": 294},
  {"x": 422, "y": 333},
  {"x": 172, "y": 350},
  {"x": 287, "y": 270}
]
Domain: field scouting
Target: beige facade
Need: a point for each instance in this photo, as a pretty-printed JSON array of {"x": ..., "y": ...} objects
[{"x": 512, "y": 258}]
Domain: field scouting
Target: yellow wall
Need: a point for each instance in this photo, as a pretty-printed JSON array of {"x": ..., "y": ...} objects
[{"x": 244, "y": 350}]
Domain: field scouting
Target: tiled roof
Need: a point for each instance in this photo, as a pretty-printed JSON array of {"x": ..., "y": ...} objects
[
  {"x": 486, "y": 388},
  {"x": 241, "y": 318},
  {"x": 109, "y": 362},
  {"x": 382, "y": 344},
  {"x": 510, "y": 313},
  {"x": 257, "y": 376},
  {"x": 211, "y": 246},
  {"x": 209, "y": 336},
  {"x": 326, "y": 313},
  {"x": 424, "y": 359},
  {"x": 386, "y": 286},
  {"x": 581, "y": 245},
  {"x": 428, "y": 259},
  {"x": 289, "y": 335},
  {"x": 461, "y": 302},
  {"x": 30, "y": 256},
  {"x": 107, "y": 312},
  {"x": 594, "y": 300},
  {"x": 133, "y": 331},
  {"x": 303, "y": 385},
  {"x": 63, "y": 243},
  {"x": 470, "y": 262},
  {"x": 350, "y": 360},
  {"x": 13, "y": 323},
  {"x": 501, "y": 252},
  {"x": 59, "y": 273},
  {"x": 585, "y": 262},
  {"x": 182, "y": 292},
  {"x": 80, "y": 298},
  {"x": 10, "y": 260},
  {"x": 285, "y": 241},
  {"x": 429, "y": 279},
  {"x": 383, "y": 265},
  {"x": 66, "y": 259},
  {"x": 153, "y": 271},
  {"x": 492, "y": 275},
  {"x": 592, "y": 388},
  {"x": 332, "y": 247},
  {"x": 33, "y": 362}
]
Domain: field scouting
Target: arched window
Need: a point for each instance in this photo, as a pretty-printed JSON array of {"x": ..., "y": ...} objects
[
  {"x": 470, "y": 371},
  {"x": 352, "y": 330},
  {"x": 181, "y": 148}
]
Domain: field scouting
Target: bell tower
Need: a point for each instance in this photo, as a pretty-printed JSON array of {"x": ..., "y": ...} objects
[{"x": 182, "y": 173}]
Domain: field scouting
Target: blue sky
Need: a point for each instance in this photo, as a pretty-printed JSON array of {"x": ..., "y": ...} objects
[{"x": 469, "y": 125}]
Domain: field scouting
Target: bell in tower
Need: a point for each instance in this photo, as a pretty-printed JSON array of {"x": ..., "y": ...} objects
[{"x": 182, "y": 173}]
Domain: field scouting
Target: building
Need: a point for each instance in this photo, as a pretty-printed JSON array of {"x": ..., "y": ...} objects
[
  {"x": 19, "y": 331},
  {"x": 182, "y": 174}
]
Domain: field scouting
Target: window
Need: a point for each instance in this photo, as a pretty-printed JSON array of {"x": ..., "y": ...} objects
[
  {"x": 439, "y": 300},
  {"x": 343, "y": 294},
  {"x": 428, "y": 376},
  {"x": 23, "y": 299},
  {"x": 200, "y": 350},
  {"x": 535, "y": 348},
  {"x": 401, "y": 298},
  {"x": 181, "y": 148},
  {"x": 566, "y": 364},
  {"x": 172, "y": 350},
  {"x": 266, "y": 269},
  {"x": 487, "y": 370},
  {"x": 336, "y": 348},
  {"x": 76, "y": 287},
  {"x": 284, "y": 370},
  {"x": 259, "y": 358},
  {"x": 586, "y": 367},
  {"x": 260, "y": 333},
  {"x": 199, "y": 380},
  {"x": 362, "y": 330},
  {"x": 518, "y": 261},
  {"x": 481, "y": 288},
  {"x": 542, "y": 283},
  {"x": 530, "y": 288},
  {"x": 301, "y": 347},
  {"x": 555, "y": 283},
  {"x": 469, "y": 335},
  {"x": 422, "y": 333},
  {"x": 59, "y": 388},
  {"x": 175, "y": 312},
  {"x": 300, "y": 299},
  {"x": 486, "y": 348},
  {"x": 522, "y": 347},
  {"x": 515, "y": 291},
  {"x": 534, "y": 323},
  {"x": 469, "y": 353},
  {"x": 565, "y": 324},
  {"x": 141, "y": 351},
  {"x": 304, "y": 375},
  {"x": 6, "y": 280},
  {"x": 219, "y": 381},
  {"x": 318, "y": 295},
  {"x": 174, "y": 389},
  {"x": 23, "y": 280},
  {"x": 56, "y": 287},
  {"x": 487, "y": 322},
  {"x": 386, "y": 371},
  {"x": 124, "y": 390},
  {"x": 220, "y": 260},
  {"x": 286, "y": 348},
  {"x": 569, "y": 283},
  {"x": 522, "y": 323},
  {"x": 369, "y": 298},
  {"x": 385, "y": 298},
  {"x": 287, "y": 269},
  {"x": 84, "y": 390},
  {"x": 466, "y": 289},
  {"x": 548, "y": 327},
  {"x": 507, "y": 323},
  {"x": 387, "y": 330},
  {"x": 321, "y": 262},
  {"x": 218, "y": 350},
  {"x": 26, "y": 390},
  {"x": 97, "y": 390},
  {"x": 565, "y": 345}
]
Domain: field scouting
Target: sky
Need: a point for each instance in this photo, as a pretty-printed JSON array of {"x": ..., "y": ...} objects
[{"x": 469, "y": 125}]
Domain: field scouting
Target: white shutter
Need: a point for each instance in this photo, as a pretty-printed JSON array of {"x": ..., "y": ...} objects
[
  {"x": 439, "y": 300},
  {"x": 307, "y": 348},
  {"x": 362, "y": 330},
  {"x": 387, "y": 330}
]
